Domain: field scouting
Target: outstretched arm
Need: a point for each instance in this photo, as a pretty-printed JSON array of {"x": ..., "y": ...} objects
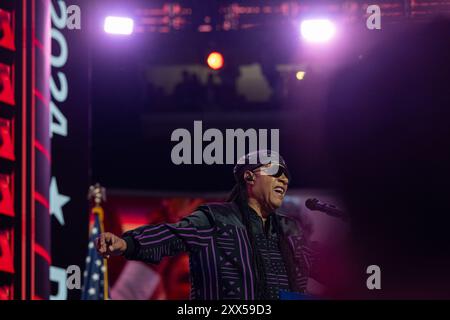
[{"x": 153, "y": 242}]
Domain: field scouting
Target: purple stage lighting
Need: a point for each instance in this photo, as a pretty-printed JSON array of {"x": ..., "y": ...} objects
[
  {"x": 317, "y": 30},
  {"x": 119, "y": 25}
]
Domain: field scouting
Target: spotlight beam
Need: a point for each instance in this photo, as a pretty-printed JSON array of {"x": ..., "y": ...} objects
[
  {"x": 119, "y": 25},
  {"x": 317, "y": 30}
]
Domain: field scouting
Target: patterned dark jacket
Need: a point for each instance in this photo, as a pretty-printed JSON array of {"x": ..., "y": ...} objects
[{"x": 220, "y": 252}]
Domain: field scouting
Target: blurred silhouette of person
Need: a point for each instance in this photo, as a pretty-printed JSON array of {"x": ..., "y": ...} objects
[
  {"x": 196, "y": 93},
  {"x": 388, "y": 133},
  {"x": 182, "y": 91},
  {"x": 211, "y": 93}
]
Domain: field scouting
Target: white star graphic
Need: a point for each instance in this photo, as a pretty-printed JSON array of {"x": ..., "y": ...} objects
[{"x": 57, "y": 201}]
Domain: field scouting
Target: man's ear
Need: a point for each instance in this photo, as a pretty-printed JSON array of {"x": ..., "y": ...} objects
[{"x": 249, "y": 177}]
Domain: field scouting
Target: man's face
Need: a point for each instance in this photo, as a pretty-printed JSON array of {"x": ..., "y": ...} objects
[{"x": 268, "y": 190}]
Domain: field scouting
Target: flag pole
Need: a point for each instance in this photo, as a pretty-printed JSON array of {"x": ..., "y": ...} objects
[{"x": 97, "y": 194}]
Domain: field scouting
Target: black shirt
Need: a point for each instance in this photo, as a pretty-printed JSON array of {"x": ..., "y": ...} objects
[{"x": 267, "y": 243}]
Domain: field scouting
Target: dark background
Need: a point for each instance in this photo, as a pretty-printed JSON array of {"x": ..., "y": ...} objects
[{"x": 133, "y": 118}]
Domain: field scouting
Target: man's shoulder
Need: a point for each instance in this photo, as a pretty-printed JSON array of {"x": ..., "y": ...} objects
[
  {"x": 289, "y": 224},
  {"x": 219, "y": 207},
  {"x": 224, "y": 212}
]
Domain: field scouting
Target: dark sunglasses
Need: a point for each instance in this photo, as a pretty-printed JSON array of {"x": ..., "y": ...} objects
[{"x": 275, "y": 170}]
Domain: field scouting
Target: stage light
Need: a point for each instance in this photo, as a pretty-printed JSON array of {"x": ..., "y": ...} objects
[
  {"x": 300, "y": 75},
  {"x": 215, "y": 60},
  {"x": 317, "y": 30},
  {"x": 119, "y": 25}
]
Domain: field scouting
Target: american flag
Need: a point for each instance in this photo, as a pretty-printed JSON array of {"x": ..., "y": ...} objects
[{"x": 95, "y": 284}]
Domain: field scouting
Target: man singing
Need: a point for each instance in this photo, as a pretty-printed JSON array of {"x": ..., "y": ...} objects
[{"x": 239, "y": 249}]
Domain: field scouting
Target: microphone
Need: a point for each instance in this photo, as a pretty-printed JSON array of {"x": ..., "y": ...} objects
[{"x": 315, "y": 205}]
